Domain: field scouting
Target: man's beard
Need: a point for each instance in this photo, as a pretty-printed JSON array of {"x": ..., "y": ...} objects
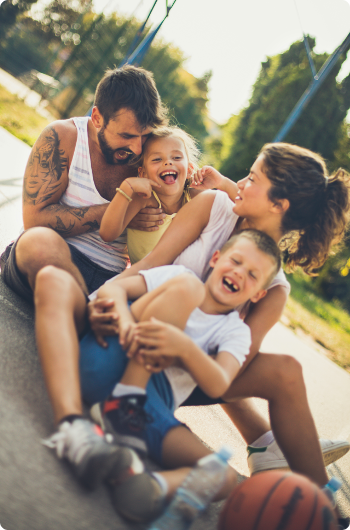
[{"x": 109, "y": 153}]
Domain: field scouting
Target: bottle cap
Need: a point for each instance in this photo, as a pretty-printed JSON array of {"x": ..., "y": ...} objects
[
  {"x": 334, "y": 484},
  {"x": 225, "y": 452}
]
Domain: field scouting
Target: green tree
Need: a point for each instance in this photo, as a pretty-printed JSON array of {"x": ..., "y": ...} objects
[
  {"x": 282, "y": 80},
  {"x": 92, "y": 43},
  {"x": 38, "y": 37},
  {"x": 9, "y": 11},
  {"x": 104, "y": 44}
]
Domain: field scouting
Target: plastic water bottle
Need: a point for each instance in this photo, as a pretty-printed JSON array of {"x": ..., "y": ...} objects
[
  {"x": 331, "y": 488},
  {"x": 195, "y": 493}
]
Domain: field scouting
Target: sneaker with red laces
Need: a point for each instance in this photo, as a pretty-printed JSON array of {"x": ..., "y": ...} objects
[
  {"x": 125, "y": 418},
  {"x": 91, "y": 457}
]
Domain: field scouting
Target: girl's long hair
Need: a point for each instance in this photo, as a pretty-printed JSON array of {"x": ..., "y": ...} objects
[{"x": 319, "y": 204}]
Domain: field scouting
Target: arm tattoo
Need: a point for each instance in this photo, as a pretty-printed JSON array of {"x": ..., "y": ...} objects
[
  {"x": 94, "y": 225},
  {"x": 60, "y": 227},
  {"x": 79, "y": 213},
  {"x": 45, "y": 168}
]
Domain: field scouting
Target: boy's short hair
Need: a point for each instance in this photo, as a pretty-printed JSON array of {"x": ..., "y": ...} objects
[
  {"x": 263, "y": 242},
  {"x": 190, "y": 144},
  {"x": 133, "y": 88}
]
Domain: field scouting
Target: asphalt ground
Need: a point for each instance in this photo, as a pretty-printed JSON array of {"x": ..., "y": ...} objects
[{"x": 37, "y": 491}]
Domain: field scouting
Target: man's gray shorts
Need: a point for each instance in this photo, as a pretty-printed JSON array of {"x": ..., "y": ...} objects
[{"x": 93, "y": 274}]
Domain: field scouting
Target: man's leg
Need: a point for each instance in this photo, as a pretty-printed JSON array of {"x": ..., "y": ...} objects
[
  {"x": 42, "y": 246},
  {"x": 59, "y": 317}
]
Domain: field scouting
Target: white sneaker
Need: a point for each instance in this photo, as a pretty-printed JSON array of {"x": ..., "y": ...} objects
[{"x": 271, "y": 456}]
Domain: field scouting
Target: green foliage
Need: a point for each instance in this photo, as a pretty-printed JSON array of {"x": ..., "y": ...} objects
[
  {"x": 281, "y": 82},
  {"x": 333, "y": 281},
  {"x": 327, "y": 322},
  {"x": 9, "y": 11},
  {"x": 303, "y": 290},
  {"x": 19, "y": 119},
  {"x": 92, "y": 43},
  {"x": 39, "y": 36}
]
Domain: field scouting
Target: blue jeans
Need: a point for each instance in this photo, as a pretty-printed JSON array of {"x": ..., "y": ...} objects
[{"x": 102, "y": 368}]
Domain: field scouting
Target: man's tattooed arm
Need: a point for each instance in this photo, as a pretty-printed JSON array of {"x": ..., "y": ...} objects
[
  {"x": 66, "y": 230},
  {"x": 45, "y": 181},
  {"x": 46, "y": 165}
]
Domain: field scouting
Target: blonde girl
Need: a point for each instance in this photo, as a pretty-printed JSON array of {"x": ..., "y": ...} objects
[{"x": 170, "y": 156}]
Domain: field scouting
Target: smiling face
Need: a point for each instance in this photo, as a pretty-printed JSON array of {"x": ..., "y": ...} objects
[
  {"x": 166, "y": 163},
  {"x": 239, "y": 274},
  {"x": 122, "y": 138},
  {"x": 252, "y": 199}
]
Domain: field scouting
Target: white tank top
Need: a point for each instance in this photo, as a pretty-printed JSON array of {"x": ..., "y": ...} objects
[{"x": 81, "y": 192}]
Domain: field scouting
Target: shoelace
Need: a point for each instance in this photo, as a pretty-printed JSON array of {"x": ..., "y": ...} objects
[
  {"x": 72, "y": 440},
  {"x": 57, "y": 441}
]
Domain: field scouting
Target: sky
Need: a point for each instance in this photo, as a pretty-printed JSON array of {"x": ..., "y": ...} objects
[{"x": 233, "y": 37}]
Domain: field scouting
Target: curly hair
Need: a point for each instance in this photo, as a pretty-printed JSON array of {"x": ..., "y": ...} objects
[{"x": 319, "y": 204}]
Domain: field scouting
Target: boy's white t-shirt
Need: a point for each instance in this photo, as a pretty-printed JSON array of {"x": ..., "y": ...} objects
[{"x": 212, "y": 333}]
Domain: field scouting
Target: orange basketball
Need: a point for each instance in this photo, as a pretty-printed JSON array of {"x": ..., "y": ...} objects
[{"x": 275, "y": 500}]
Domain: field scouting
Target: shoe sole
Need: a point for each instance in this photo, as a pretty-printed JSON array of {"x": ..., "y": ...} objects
[
  {"x": 329, "y": 456},
  {"x": 99, "y": 467},
  {"x": 335, "y": 453},
  {"x": 139, "y": 500}
]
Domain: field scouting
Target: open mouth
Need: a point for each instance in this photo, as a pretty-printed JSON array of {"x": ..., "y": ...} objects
[
  {"x": 230, "y": 285},
  {"x": 168, "y": 177},
  {"x": 122, "y": 154}
]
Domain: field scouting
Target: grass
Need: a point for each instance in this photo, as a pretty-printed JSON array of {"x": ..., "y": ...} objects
[
  {"x": 19, "y": 119},
  {"x": 326, "y": 322}
]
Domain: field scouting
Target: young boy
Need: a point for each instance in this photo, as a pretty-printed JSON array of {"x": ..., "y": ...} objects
[{"x": 210, "y": 351}]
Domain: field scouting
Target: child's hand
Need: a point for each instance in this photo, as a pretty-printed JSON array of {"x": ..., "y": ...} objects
[
  {"x": 126, "y": 333},
  {"x": 103, "y": 319},
  {"x": 155, "y": 365},
  {"x": 158, "y": 339},
  {"x": 142, "y": 186},
  {"x": 207, "y": 178}
]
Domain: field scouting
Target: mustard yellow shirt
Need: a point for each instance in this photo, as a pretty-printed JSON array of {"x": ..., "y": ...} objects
[{"x": 141, "y": 243}]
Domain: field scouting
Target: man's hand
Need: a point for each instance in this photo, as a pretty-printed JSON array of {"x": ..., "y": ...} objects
[
  {"x": 103, "y": 319},
  {"x": 148, "y": 219}
]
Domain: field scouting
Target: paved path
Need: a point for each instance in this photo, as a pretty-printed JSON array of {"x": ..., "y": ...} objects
[{"x": 36, "y": 491}]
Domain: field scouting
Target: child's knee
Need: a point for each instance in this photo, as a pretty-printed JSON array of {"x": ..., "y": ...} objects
[{"x": 187, "y": 287}]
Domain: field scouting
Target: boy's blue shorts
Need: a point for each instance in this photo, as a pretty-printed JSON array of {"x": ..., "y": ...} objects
[{"x": 100, "y": 370}]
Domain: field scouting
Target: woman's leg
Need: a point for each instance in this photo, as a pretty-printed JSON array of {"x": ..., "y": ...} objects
[
  {"x": 60, "y": 313},
  {"x": 279, "y": 379},
  {"x": 247, "y": 419}
]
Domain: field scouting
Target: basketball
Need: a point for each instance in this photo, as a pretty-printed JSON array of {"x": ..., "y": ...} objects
[{"x": 276, "y": 500}]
